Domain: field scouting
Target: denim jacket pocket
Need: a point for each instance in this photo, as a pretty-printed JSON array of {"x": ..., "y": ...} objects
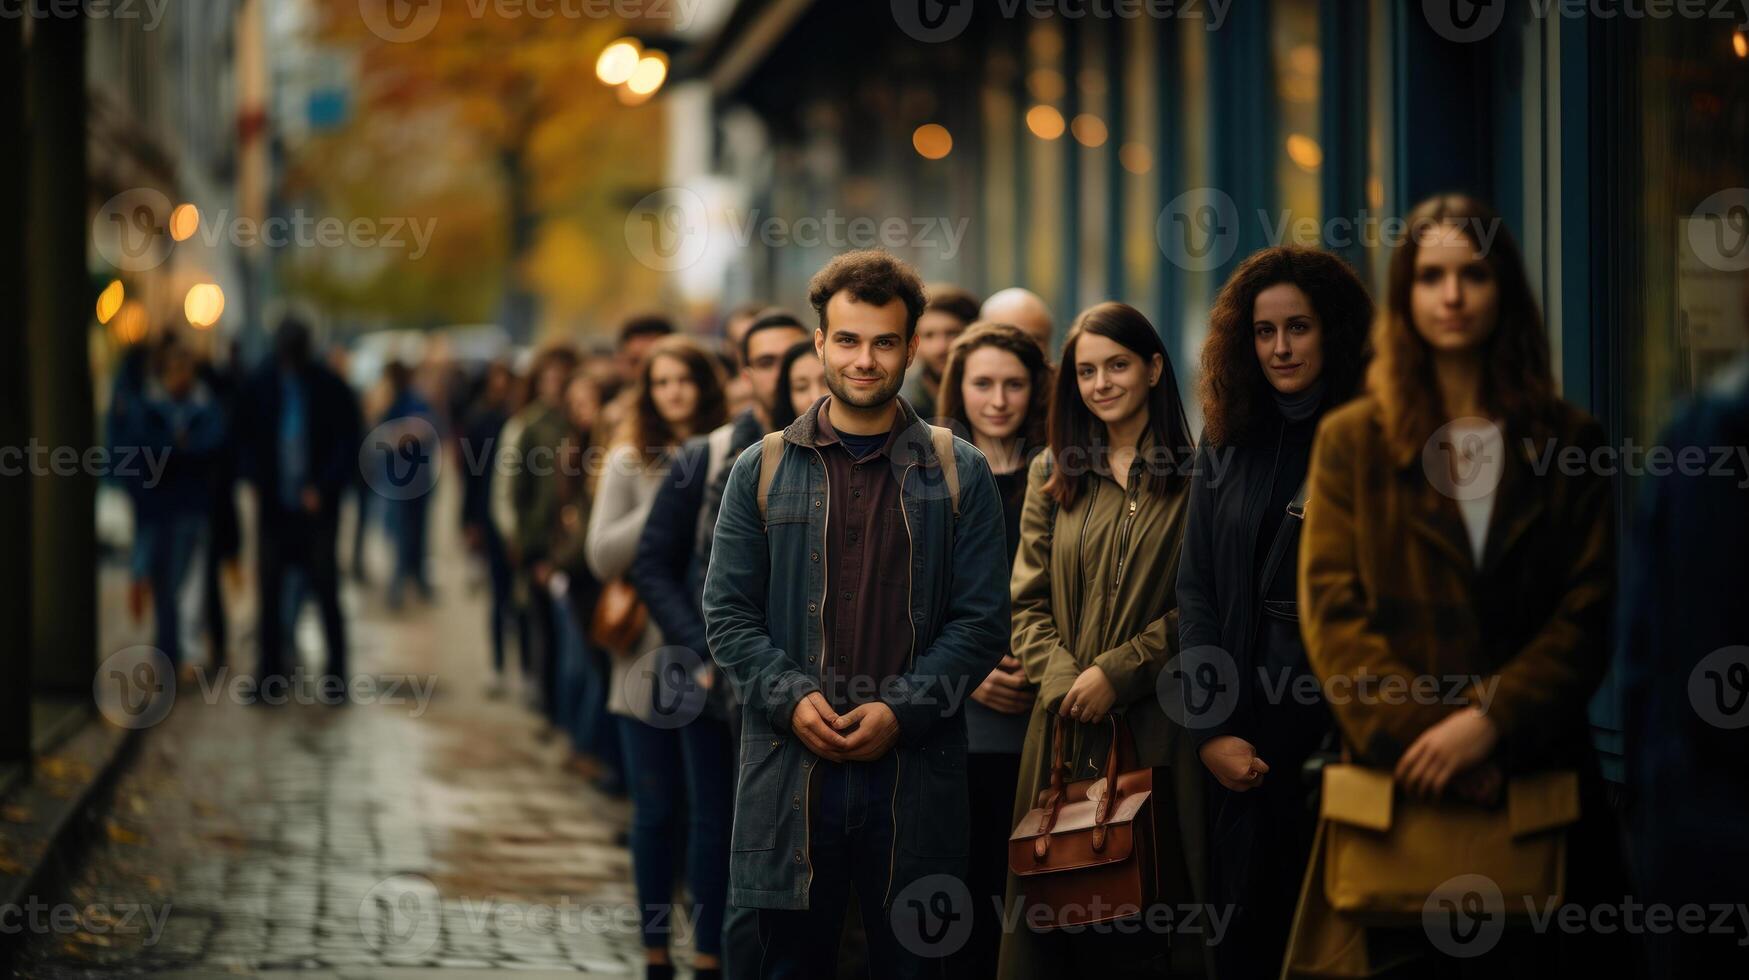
[{"x": 760, "y": 793}]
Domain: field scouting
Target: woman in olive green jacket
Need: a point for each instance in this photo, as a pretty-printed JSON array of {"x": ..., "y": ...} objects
[{"x": 1095, "y": 621}]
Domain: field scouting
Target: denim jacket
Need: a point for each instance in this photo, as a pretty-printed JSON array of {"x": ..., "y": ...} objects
[{"x": 762, "y": 605}]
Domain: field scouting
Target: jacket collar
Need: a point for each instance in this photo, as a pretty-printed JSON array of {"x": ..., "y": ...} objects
[
  {"x": 911, "y": 440},
  {"x": 1518, "y": 503}
]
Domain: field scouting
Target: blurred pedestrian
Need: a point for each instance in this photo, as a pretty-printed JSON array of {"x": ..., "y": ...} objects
[
  {"x": 997, "y": 389},
  {"x": 181, "y": 422},
  {"x": 299, "y": 432},
  {"x": 410, "y": 417},
  {"x": 848, "y": 597},
  {"x": 677, "y": 395},
  {"x": 479, "y": 454},
  {"x": 1094, "y": 612},
  {"x": 1433, "y": 548},
  {"x": 948, "y": 311},
  {"x": 224, "y": 528},
  {"x": 533, "y": 494},
  {"x": 1286, "y": 343}
]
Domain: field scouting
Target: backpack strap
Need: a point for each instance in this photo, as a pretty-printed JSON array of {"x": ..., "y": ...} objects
[
  {"x": 942, "y": 437},
  {"x": 770, "y": 454}
]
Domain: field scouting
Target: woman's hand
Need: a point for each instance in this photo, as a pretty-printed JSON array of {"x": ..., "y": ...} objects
[
  {"x": 1234, "y": 762},
  {"x": 1005, "y": 689},
  {"x": 1463, "y": 740},
  {"x": 1089, "y": 698}
]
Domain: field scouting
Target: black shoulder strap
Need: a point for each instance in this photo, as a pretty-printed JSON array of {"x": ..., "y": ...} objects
[{"x": 1287, "y": 535}]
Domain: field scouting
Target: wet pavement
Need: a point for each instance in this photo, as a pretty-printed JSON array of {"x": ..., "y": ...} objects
[{"x": 421, "y": 826}]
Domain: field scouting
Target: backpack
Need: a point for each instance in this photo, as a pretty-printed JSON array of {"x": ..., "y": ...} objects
[{"x": 771, "y": 453}]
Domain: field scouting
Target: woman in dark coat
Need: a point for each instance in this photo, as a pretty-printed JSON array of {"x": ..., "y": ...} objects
[{"x": 1286, "y": 342}]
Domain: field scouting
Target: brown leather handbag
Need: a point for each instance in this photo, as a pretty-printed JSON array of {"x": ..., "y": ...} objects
[
  {"x": 620, "y": 618},
  {"x": 1087, "y": 850}
]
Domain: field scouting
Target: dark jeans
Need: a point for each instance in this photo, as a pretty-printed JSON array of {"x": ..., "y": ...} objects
[
  {"x": 174, "y": 543},
  {"x": 502, "y": 612},
  {"x": 993, "y": 777},
  {"x": 409, "y": 525},
  {"x": 671, "y": 768},
  {"x": 850, "y": 844},
  {"x": 298, "y": 540}
]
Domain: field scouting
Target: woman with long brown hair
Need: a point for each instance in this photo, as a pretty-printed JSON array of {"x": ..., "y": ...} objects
[
  {"x": 1286, "y": 343},
  {"x": 1437, "y": 547},
  {"x": 668, "y": 760},
  {"x": 1095, "y": 623},
  {"x": 996, "y": 390}
]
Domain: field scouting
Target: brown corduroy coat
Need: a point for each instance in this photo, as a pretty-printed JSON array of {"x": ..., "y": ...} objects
[{"x": 1388, "y": 586}]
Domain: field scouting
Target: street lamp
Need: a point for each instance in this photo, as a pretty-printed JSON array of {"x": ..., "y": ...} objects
[{"x": 203, "y": 304}]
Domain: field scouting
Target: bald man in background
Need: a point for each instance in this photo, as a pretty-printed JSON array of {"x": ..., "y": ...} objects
[{"x": 1024, "y": 309}]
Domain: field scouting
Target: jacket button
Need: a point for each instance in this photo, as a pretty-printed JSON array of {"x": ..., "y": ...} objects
[
  {"x": 775, "y": 743},
  {"x": 798, "y": 857},
  {"x": 816, "y": 503},
  {"x": 795, "y": 802},
  {"x": 816, "y": 556},
  {"x": 812, "y": 607},
  {"x": 810, "y": 659}
]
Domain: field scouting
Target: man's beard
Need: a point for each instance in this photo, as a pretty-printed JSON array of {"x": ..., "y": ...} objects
[{"x": 864, "y": 398}]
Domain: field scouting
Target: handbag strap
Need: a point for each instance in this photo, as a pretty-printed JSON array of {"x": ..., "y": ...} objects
[
  {"x": 1058, "y": 792},
  {"x": 1285, "y": 533}
]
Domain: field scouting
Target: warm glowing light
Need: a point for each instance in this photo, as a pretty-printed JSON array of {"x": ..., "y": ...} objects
[
  {"x": 1089, "y": 130},
  {"x": 932, "y": 141},
  {"x": 618, "y": 61},
  {"x": 109, "y": 301},
  {"x": 1305, "y": 152},
  {"x": 629, "y": 97},
  {"x": 183, "y": 222},
  {"x": 1740, "y": 43},
  {"x": 651, "y": 72},
  {"x": 1136, "y": 158},
  {"x": 129, "y": 325},
  {"x": 1045, "y": 122},
  {"x": 1045, "y": 84},
  {"x": 203, "y": 305}
]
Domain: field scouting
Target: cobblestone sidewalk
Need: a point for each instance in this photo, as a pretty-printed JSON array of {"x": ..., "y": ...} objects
[{"x": 419, "y": 827}]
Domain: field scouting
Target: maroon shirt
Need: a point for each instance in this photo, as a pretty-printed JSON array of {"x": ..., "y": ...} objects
[{"x": 868, "y": 633}]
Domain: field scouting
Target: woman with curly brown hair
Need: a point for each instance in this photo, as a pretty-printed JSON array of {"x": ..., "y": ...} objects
[{"x": 1287, "y": 342}]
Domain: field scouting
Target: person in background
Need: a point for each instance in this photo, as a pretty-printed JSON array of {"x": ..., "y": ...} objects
[
  {"x": 410, "y": 418},
  {"x": 224, "y": 529},
  {"x": 584, "y": 669},
  {"x": 480, "y": 442},
  {"x": 801, "y": 381},
  {"x": 180, "y": 420},
  {"x": 1684, "y": 649},
  {"x": 299, "y": 431},
  {"x": 737, "y": 391},
  {"x": 950, "y": 309},
  {"x": 843, "y": 625},
  {"x": 678, "y": 395},
  {"x": 997, "y": 388},
  {"x": 1286, "y": 343},
  {"x": 1434, "y": 548},
  {"x": 1024, "y": 309},
  {"x": 675, "y": 550},
  {"x": 534, "y": 501},
  {"x": 1095, "y": 622}
]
